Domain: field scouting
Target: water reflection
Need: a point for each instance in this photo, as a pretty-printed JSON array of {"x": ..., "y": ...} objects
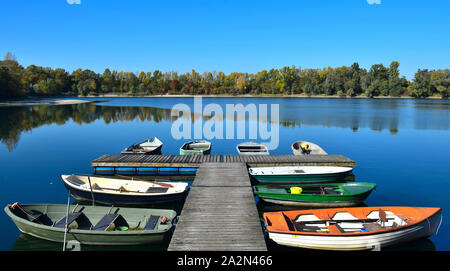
[
  {"x": 26, "y": 242},
  {"x": 354, "y": 114},
  {"x": 423, "y": 244}
]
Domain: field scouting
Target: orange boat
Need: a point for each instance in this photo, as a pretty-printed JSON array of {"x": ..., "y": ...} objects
[{"x": 356, "y": 228}]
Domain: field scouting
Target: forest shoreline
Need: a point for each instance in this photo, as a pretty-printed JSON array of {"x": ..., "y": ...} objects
[
  {"x": 257, "y": 96},
  {"x": 69, "y": 100},
  {"x": 42, "y": 101}
]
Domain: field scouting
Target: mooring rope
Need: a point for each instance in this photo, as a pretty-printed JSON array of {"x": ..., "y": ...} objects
[{"x": 439, "y": 226}]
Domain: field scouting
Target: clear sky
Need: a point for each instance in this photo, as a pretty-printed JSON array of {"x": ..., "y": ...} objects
[{"x": 226, "y": 35}]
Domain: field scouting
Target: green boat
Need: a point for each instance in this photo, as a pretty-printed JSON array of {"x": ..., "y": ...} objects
[
  {"x": 92, "y": 225},
  {"x": 200, "y": 147},
  {"x": 299, "y": 174},
  {"x": 315, "y": 195}
]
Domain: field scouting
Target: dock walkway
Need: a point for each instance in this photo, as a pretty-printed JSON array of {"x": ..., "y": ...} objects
[{"x": 220, "y": 212}]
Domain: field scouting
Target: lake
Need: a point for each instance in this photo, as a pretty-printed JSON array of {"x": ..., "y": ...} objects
[{"x": 402, "y": 145}]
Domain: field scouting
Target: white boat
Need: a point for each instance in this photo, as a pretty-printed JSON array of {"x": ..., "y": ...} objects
[
  {"x": 361, "y": 228},
  {"x": 305, "y": 148},
  {"x": 123, "y": 191},
  {"x": 299, "y": 174},
  {"x": 252, "y": 148},
  {"x": 150, "y": 146}
]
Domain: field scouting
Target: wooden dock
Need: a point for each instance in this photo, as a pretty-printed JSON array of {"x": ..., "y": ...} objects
[{"x": 220, "y": 212}]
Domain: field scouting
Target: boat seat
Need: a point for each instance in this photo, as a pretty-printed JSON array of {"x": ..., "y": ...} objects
[
  {"x": 105, "y": 222},
  {"x": 152, "y": 222},
  {"x": 70, "y": 219},
  {"x": 157, "y": 190},
  {"x": 305, "y": 228},
  {"x": 74, "y": 180},
  {"x": 343, "y": 216},
  {"x": 335, "y": 229},
  {"x": 372, "y": 226},
  {"x": 330, "y": 191},
  {"x": 34, "y": 216}
]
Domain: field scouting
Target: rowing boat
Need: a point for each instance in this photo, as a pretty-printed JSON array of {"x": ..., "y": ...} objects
[
  {"x": 317, "y": 195},
  {"x": 252, "y": 148},
  {"x": 92, "y": 225},
  {"x": 305, "y": 148},
  {"x": 299, "y": 174},
  {"x": 150, "y": 146},
  {"x": 123, "y": 191},
  {"x": 357, "y": 228},
  {"x": 199, "y": 147}
]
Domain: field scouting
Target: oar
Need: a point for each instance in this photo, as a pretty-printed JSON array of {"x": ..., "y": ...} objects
[
  {"x": 65, "y": 226},
  {"x": 161, "y": 184}
]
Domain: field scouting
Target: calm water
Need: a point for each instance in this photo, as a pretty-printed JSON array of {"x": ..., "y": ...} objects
[{"x": 402, "y": 145}]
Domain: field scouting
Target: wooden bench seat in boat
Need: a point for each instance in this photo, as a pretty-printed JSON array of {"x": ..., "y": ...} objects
[
  {"x": 152, "y": 222},
  {"x": 74, "y": 180},
  {"x": 157, "y": 190},
  {"x": 70, "y": 219},
  {"x": 106, "y": 222}
]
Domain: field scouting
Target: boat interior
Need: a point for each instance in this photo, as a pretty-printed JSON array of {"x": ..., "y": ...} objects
[
  {"x": 196, "y": 146},
  {"x": 252, "y": 149},
  {"x": 151, "y": 145},
  {"x": 313, "y": 148},
  {"x": 344, "y": 222},
  {"x": 308, "y": 190},
  {"x": 78, "y": 219}
]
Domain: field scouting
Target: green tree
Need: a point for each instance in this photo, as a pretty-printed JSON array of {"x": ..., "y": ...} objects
[
  {"x": 421, "y": 85},
  {"x": 395, "y": 85}
]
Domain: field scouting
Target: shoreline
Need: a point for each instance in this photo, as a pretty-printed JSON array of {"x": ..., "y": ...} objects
[
  {"x": 73, "y": 100},
  {"x": 46, "y": 101},
  {"x": 255, "y": 96}
]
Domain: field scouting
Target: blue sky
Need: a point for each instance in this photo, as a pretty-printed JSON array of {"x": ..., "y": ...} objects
[{"x": 226, "y": 35}]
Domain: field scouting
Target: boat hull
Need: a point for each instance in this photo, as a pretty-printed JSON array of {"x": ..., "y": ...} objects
[
  {"x": 293, "y": 179},
  {"x": 304, "y": 203},
  {"x": 156, "y": 151},
  {"x": 359, "y": 242},
  {"x": 124, "y": 200},
  {"x": 194, "y": 152},
  {"x": 90, "y": 239}
]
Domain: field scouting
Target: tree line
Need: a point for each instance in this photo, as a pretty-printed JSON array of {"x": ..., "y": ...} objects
[{"x": 17, "y": 81}]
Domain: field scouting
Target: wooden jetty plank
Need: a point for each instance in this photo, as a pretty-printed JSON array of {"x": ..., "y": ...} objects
[{"x": 220, "y": 212}]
